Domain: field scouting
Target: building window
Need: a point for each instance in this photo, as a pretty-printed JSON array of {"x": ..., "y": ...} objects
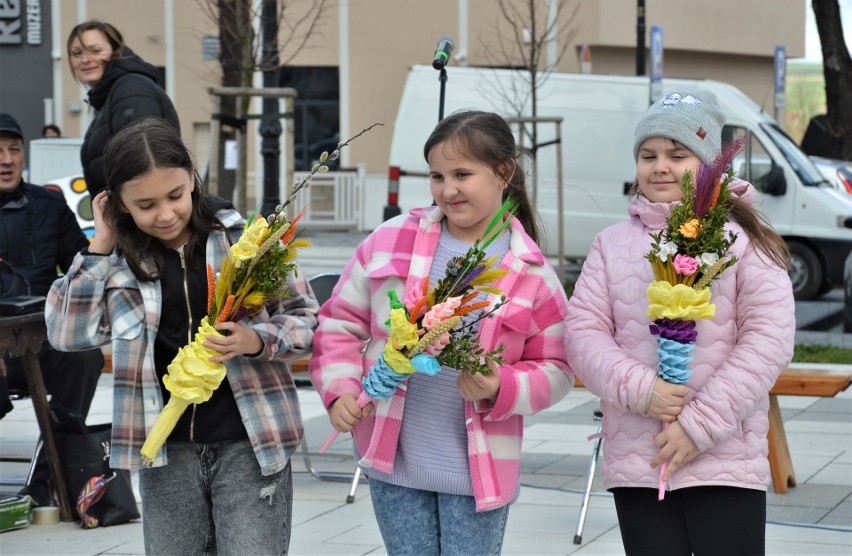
[{"x": 317, "y": 112}]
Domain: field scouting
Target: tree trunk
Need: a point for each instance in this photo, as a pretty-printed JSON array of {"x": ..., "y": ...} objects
[{"x": 837, "y": 68}]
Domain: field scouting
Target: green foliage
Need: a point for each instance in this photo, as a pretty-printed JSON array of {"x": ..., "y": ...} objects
[
  {"x": 820, "y": 353},
  {"x": 465, "y": 354}
]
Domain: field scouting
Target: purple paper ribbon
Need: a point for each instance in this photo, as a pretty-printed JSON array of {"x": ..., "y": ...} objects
[{"x": 682, "y": 331}]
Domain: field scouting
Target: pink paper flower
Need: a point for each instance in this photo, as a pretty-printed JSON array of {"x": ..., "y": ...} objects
[
  {"x": 441, "y": 312},
  {"x": 435, "y": 348},
  {"x": 686, "y": 265}
]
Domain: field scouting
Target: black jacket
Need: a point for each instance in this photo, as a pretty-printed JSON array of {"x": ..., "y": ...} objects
[
  {"x": 38, "y": 233},
  {"x": 127, "y": 91}
]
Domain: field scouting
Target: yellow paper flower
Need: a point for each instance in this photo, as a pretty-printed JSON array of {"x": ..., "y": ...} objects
[
  {"x": 397, "y": 361},
  {"x": 679, "y": 302},
  {"x": 403, "y": 334},
  {"x": 691, "y": 228},
  {"x": 246, "y": 248},
  {"x": 192, "y": 379}
]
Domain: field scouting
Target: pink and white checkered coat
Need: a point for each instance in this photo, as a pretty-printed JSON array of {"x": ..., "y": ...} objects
[{"x": 397, "y": 256}]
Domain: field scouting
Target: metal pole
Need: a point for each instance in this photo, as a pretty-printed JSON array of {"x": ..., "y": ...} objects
[
  {"x": 215, "y": 131},
  {"x": 640, "y": 37},
  {"x": 560, "y": 204},
  {"x": 270, "y": 126},
  {"x": 239, "y": 196}
]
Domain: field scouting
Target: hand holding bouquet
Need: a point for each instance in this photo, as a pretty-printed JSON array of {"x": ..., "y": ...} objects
[
  {"x": 432, "y": 331},
  {"x": 691, "y": 252}
]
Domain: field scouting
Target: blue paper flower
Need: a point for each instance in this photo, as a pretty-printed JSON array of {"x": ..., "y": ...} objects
[{"x": 674, "y": 360}]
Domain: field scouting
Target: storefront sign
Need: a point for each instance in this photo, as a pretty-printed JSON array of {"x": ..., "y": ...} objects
[{"x": 12, "y": 17}]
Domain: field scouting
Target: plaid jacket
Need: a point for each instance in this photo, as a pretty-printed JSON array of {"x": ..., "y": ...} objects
[
  {"x": 99, "y": 301},
  {"x": 397, "y": 256}
]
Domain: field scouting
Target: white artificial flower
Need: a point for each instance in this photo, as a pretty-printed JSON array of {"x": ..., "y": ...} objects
[
  {"x": 708, "y": 259},
  {"x": 667, "y": 249}
]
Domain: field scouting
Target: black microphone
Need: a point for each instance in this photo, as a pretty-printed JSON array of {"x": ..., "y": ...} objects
[{"x": 442, "y": 55}]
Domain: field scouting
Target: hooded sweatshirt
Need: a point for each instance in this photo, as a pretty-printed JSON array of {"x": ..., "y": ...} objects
[{"x": 129, "y": 90}]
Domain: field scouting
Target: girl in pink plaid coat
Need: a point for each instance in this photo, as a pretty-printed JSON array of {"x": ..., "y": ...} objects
[{"x": 443, "y": 453}]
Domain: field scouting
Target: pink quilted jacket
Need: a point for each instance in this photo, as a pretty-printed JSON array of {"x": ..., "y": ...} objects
[
  {"x": 352, "y": 332},
  {"x": 737, "y": 358}
]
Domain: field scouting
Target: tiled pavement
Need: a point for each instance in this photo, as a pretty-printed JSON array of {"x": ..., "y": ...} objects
[{"x": 813, "y": 518}]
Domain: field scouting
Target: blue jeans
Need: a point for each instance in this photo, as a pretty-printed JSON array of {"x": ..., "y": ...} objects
[
  {"x": 420, "y": 522},
  {"x": 212, "y": 499}
]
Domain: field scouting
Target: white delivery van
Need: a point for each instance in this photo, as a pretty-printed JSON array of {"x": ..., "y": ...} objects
[{"x": 599, "y": 115}]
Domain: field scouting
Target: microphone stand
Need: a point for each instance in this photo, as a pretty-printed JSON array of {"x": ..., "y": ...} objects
[{"x": 442, "y": 77}]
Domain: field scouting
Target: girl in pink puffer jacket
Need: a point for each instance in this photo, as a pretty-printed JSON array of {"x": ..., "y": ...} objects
[{"x": 715, "y": 443}]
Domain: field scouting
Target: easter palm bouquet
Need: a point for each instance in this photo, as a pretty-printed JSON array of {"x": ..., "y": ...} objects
[
  {"x": 253, "y": 274},
  {"x": 440, "y": 326},
  {"x": 686, "y": 257}
]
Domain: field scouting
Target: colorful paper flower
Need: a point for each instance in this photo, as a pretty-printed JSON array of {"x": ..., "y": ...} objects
[
  {"x": 684, "y": 264},
  {"x": 690, "y": 229}
]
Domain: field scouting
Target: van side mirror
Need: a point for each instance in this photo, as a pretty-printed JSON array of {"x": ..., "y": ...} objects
[{"x": 773, "y": 182}]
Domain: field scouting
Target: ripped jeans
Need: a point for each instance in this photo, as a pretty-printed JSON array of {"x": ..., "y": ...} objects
[{"x": 212, "y": 499}]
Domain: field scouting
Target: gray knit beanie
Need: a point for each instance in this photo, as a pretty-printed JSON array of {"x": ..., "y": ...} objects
[{"x": 691, "y": 117}]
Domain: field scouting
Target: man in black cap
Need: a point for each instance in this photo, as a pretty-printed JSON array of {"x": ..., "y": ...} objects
[{"x": 38, "y": 234}]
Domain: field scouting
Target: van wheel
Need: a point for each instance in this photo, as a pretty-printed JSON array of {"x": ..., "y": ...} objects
[{"x": 805, "y": 271}]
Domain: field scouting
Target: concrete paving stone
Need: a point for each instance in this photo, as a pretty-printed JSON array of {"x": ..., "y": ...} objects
[
  {"x": 795, "y": 403},
  {"x": 816, "y": 443},
  {"x": 844, "y": 509},
  {"x": 568, "y": 465},
  {"x": 578, "y": 484},
  {"x": 794, "y": 515},
  {"x": 812, "y": 421},
  {"x": 806, "y": 466},
  {"x": 840, "y": 522},
  {"x": 557, "y": 431},
  {"x": 536, "y": 480},
  {"x": 537, "y": 494},
  {"x": 807, "y": 495},
  {"x": 541, "y": 544},
  {"x": 531, "y": 462},
  {"x": 813, "y": 534},
  {"x": 567, "y": 448},
  {"x": 806, "y": 547},
  {"x": 832, "y": 474},
  {"x": 833, "y": 405}
]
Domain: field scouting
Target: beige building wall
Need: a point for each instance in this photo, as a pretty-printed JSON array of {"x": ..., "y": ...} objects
[{"x": 726, "y": 40}]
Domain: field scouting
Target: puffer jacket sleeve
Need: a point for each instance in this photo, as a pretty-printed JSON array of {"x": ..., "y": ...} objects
[
  {"x": 344, "y": 328},
  {"x": 76, "y": 307},
  {"x": 765, "y": 313},
  {"x": 605, "y": 368}
]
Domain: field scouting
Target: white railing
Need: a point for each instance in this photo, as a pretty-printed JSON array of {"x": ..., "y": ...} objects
[{"x": 333, "y": 200}]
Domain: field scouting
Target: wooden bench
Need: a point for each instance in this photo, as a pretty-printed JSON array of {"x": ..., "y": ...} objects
[{"x": 800, "y": 379}]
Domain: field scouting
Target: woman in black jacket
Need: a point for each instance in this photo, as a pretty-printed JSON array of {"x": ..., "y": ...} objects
[{"x": 122, "y": 88}]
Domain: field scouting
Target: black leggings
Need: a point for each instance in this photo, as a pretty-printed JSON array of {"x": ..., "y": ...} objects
[{"x": 705, "y": 521}]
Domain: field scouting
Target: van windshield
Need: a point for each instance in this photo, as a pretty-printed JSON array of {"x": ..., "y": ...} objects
[{"x": 798, "y": 160}]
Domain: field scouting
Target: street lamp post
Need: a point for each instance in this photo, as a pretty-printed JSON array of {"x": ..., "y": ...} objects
[
  {"x": 270, "y": 124},
  {"x": 640, "y": 37}
]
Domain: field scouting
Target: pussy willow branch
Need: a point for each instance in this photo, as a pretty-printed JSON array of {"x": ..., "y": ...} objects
[{"x": 320, "y": 168}]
